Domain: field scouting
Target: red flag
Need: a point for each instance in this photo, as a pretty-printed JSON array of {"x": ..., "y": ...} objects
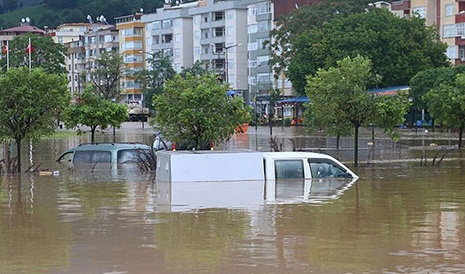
[
  {"x": 29, "y": 49},
  {"x": 5, "y": 49}
]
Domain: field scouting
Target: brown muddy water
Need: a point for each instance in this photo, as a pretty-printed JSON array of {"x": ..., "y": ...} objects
[{"x": 401, "y": 216}]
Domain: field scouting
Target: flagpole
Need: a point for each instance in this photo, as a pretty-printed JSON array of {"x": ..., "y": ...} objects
[
  {"x": 30, "y": 52},
  {"x": 7, "y": 56}
]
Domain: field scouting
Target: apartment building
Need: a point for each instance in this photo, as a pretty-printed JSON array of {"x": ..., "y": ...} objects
[
  {"x": 131, "y": 47},
  {"x": 449, "y": 17},
  {"x": 69, "y": 32}
]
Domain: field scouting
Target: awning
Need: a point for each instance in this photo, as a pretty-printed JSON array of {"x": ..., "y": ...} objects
[{"x": 293, "y": 101}]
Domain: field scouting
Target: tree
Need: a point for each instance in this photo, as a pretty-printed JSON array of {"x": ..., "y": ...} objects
[
  {"x": 29, "y": 103},
  {"x": 398, "y": 47},
  {"x": 46, "y": 54},
  {"x": 106, "y": 76},
  {"x": 446, "y": 104},
  {"x": 339, "y": 96},
  {"x": 196, "y": 69},
  {"x": 160, "y": 70},
  {"x": 93, "y": 111},
  {"x": 428, "y": 79},
  {"x": 198, "y": 109}
]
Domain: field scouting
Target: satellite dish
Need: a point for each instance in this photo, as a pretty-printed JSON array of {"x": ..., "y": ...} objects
[
  {"x": 167, "y": 1},
  {"x": 28, "y": 19},
  {"x": 23, "y": 20},
  {"x": 141, "y": 10}
]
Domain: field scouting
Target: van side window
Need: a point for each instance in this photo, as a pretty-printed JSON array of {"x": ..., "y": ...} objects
[
  {"x": 129, "y": 155},
  {"x": 289, "y": 169},
  {"x": 92, "y": 157},
  {"x": 325, "y": 169}
]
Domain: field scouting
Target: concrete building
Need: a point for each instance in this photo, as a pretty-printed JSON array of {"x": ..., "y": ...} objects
[
  {"x": 131, "y": 47},
  {"x": 69, "y": 32},
  {"x": 449, "y": 17}
]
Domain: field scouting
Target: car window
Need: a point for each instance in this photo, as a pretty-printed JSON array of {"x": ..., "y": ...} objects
[
  {"x": 289, "y": 169},
  {"x": 129, "y": 155},
  {"x": 92, "y": 157},
  {"x": 326, "y": 169}
]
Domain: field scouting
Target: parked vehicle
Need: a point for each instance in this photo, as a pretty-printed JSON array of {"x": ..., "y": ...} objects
[
  {"x": 93, "y": 154},
  {"x": 184, "y": 166},
  {"x": 160, "y": 143}
]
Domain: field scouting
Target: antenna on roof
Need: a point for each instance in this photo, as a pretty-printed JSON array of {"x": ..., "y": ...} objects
[{"x": 90, "y": 19}]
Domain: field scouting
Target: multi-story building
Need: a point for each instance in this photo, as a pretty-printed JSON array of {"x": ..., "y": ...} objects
[
  {"x": 76, "y": 64},
  {"x": 449, "y": 17},
  {"x": 131, "y": 47},
  {"x": 69, "y": 32}
]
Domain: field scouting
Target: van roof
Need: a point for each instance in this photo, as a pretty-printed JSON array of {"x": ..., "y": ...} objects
[{"x": 109, "y": 146}]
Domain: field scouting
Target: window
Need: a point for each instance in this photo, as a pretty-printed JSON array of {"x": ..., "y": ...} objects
[
  {"x": 129, "y": 155},
  {"x": 289, "y": 169},
  {"x": 462, "y": 52},
  {"x": 263, "y": 8},
  {"x": 133, "y": 58},
  {"x": 263, "y": 78},
  {"x": 218, "y": 32},
  {"x": 263, "y": 60},
  {"x": 92, "y": 157},
  {"x": 326, "y": 169},
  {"x": 452, "y": 52},
  {"x": 252, "y": 46},
  {"x": 156, "y": 25},
  {"x": 197, "y": 50},
  {"x": 197, "y": 20},
  {"x": 252, "y": 10},
  {"x": 167, "y": 24},
  {"x": 132, "y": 45},
  {"x": 218, "y": 16},
  {"x": 449, "y": 10},
  {"x": 420, "y": 12},
  {"x": 261, "y": 43},
  {"x": 177, "y": 52},
  {"x": 197, "y": 34},
  {"x": 167, "y": 38},
  {"x": 263, "y": 25},
  {"x": 252, "y": 28},
  {"x": 177, "y": 37},
  {"x": 230, "y": 14}
]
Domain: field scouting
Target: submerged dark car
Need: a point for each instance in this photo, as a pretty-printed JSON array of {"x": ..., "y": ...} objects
[
  {"x": 161, "y": 143},
  {"x": 105, "y": 154}
]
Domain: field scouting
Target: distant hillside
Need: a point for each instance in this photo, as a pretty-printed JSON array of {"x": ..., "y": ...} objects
[{"x": 52, "y": 13}]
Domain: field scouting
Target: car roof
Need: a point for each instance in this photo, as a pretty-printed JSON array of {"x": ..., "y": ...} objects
[{"x": 108, "y": 146}]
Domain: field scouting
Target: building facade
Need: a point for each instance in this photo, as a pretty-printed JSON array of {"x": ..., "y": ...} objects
[{"x": 131, "y": 47}]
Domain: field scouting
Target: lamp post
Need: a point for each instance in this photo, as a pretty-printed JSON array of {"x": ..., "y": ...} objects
[{"x": 226, "y": 69}]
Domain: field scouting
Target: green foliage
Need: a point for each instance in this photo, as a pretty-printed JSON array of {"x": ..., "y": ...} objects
[
  {"x": 30, "y": 102},
  {"x": 446, "y": 104},
  {"x": 398, "y": 47},
  {"x": 197, "y": 108},
  {"x": 390, "y": 111},
  {"x": 93, "y": 111},
  {"x": 46, "y": 54},
  {"x": 154, "y": 78},
  {"x": 106, "y": 77},
  {"x": 52, "y": 13},
  {"x": 428, "y": 79},
  {"x": 196, "y": 69},
  {"x": 340, "y": 100}
]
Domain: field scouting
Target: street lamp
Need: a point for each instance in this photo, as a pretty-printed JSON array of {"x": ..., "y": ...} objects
[{"x": 226, "y": 70}]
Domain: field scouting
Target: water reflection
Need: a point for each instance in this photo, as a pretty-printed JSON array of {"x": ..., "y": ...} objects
[{"x": 397, "y": 218}]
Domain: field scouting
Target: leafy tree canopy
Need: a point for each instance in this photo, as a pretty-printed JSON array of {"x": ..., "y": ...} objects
[
  {"x": 446, "y": 104},
  {"x": 93, "y": 111},
  {"x": 428, "y": 79},
  {"x": 46, "y": 54},
  {"x": 30, "y": 102},
  {"x": 107, "y": 74},
  {"x": 160, "y": 70},
  {"x": 339, "y": 97},
  {"x": 198, "y": 109},
  {"x": 398, "y": 47}
]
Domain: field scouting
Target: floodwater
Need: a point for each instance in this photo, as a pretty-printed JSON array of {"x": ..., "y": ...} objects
[{"x": 400, "y": 216}]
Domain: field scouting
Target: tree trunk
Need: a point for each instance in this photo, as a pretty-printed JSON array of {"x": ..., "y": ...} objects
[
  {"x": 356, "y": 146},
  {"x": 460, "y": 136},
  {"x": 18, "y": 148},
  {"x": 338, "y": 139},
  {"x": 92, "y": 133}
]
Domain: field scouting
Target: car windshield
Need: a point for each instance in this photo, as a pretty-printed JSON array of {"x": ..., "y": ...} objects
[{"x": 130, "y": 155}]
